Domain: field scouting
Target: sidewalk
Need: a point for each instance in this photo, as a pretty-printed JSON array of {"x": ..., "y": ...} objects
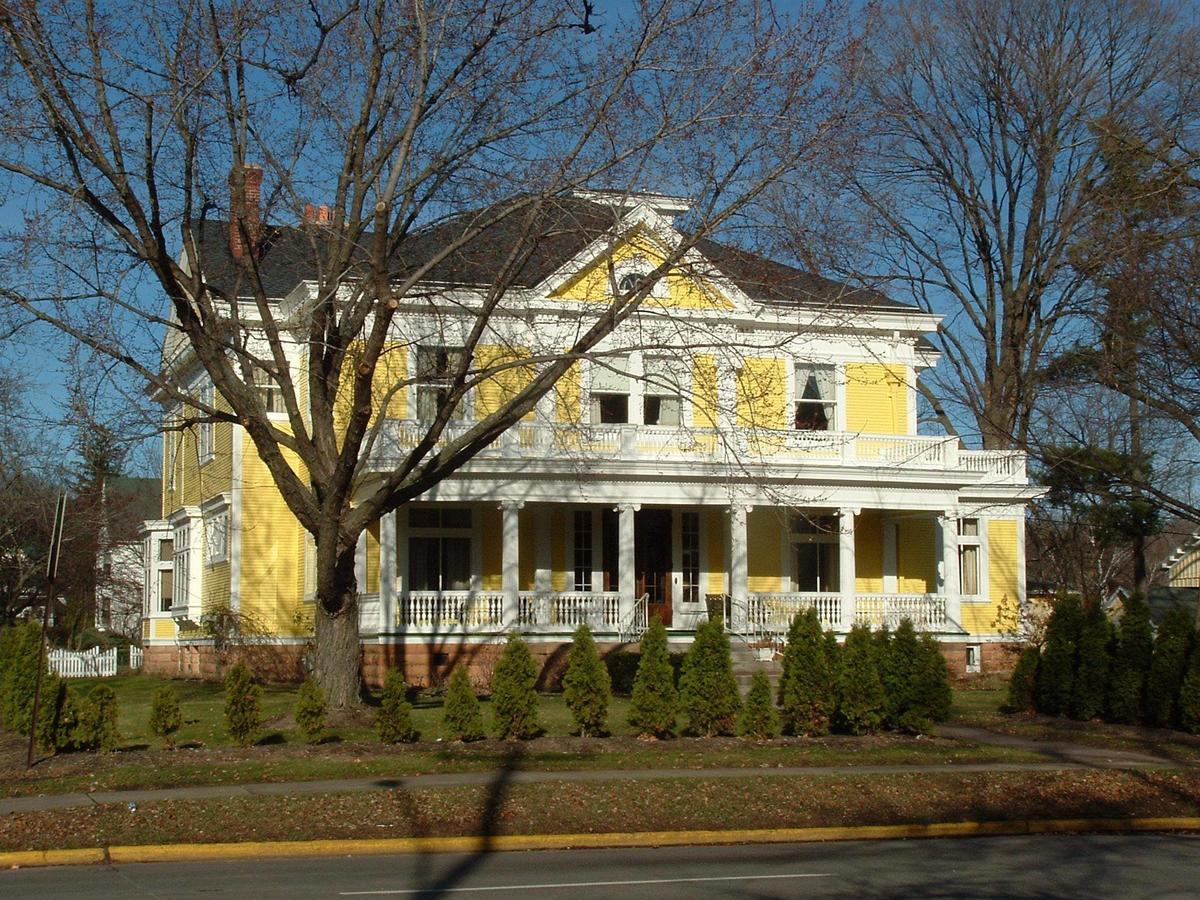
[{"x": 1060, "y": 756}]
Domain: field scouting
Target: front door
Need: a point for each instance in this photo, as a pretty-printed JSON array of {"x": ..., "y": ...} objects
[{"x": 652, "y": 560}]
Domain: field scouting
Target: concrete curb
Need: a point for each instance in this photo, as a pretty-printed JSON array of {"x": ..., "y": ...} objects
[{"x": 503, "y": 843}]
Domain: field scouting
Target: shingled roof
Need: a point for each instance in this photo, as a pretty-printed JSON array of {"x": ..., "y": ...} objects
[{"x": 560, "y": 230}]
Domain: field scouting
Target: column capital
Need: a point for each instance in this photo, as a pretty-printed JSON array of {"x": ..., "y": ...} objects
[
  {"x": 622, "y": 507},
  {"x": 733, "y": 508},
  {"x": 948, "y": 514},
  {"x": 850, "y": 510},
  {"x": 511, "y": 504}
]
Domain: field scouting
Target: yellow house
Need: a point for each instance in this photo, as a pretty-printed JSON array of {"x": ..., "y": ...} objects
[{"x": 745, "y": 445}]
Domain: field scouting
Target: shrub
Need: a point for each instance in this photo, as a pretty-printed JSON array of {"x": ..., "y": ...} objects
[
  {"x": 393, "y": 721},
  {"x": 97, "y": 728},
  {"x": 899, "y": 660},
  {"x": 1135, "y": 651},
  {"x": 514, "y": 694},
  {"x": 310, "y": 710},
  {"x": 1189, "y": 693},
  {"x": 930, "y": 697},
  {"x": 586, "y": 684},
  {"x": 243, "y": 712},
  {"x": 20, "y": 647},
  {"x": 58, "y": 719},
  {"x": 165, "y": 717},
  {"x": 1172, "y": 644},
  {"x": 1056, "y": 674},
  {"x": 1092, "y": 664},
  {"x": 653, "y": 707},
  {"x": 806, "y": 684},
  {"x": 708, "y": 691},
  {"x": 759, "y": 719},
  {"x": 460, "y": 711},
  {"x": 1022, "y": 685},
  {"x": 859, "y": 691},
  {"x": 622, "y": 666}
]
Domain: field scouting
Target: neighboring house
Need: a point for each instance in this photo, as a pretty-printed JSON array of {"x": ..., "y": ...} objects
[
  {"x": 120, "y": 568},
  {"x": 747, "y": 446},
  {"x": 1181, "y": 567}
]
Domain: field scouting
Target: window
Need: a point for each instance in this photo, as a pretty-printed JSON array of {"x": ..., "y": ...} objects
[
  {"x": 610, "y": 391},
  {"x": 583, "y": 550},
  {"x": 969, "y": 554},
  {"x": 270, "y": 394},
  {"x": 204, "y": 440},
  {"x": 180, "y": 547},
  {"x": 165, "y": 582},
  {"x": 816, "y": 398},
  {"x": 439, "y": 553},
  {"x": 436, "y": 369},
  {"x": 629, "y": 283},
  {"x": 148, "y": 570},
  {"x": 815, "y": 556},
  {"x": 170, "y": 446},
  {"x": 166, "y": 550},
  {"x": 689, "y": 545},
  {"x": 974, "y": 658},
  {"x": 216, "y": 532},
  {"x": 662, "y": 403}
]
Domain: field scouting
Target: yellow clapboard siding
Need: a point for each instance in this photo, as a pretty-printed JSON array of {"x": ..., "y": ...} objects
[
  {"x": 1003, "y": 587},
  {"x": 371, "y": 575},
  {"x": 568, "y": 393},
  {"x": 916, "y": 556},
  {"x": 491, "y": 551},
  {"x": 1186, "y": 572},
  {"x": 214, "y": 591},
  {"x": 868, "y": 552},
  {"x": 764, "y": 550},
  {"x": 704, "y": 391},
  {"x": 163, "y": 630},
  {"x": 877, "y": 398},
  {"x": 389, "y": 391},
  {"x": 716, "y": 524},
  {"x": 762, "y": 393},
  {"x": 495, "y": 392}
]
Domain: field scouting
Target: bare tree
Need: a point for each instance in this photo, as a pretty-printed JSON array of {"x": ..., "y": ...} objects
[
  {"x": 425, "y": 132},
  {"x": 983, "y": 175}
]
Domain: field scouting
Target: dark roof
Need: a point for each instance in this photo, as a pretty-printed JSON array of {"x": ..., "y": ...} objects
[
  {"x": 1162, "y": 600},
  {"x": 561, "y": 229}
]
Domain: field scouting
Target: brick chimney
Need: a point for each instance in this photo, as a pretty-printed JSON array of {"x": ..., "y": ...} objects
[
  {"x": 318, "y": 215},
  {"x": 252, "y": 177}
]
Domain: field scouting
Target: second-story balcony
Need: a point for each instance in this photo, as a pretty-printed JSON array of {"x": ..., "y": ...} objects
[{"x": 568, "y": 444}]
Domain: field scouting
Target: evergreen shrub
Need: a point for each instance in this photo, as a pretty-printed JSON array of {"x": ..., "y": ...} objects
[
  {"x": 1172, "y": 644},
  {"x": 930, "y": 697},
  {"x": 899, "y": 658},
  {"x": 807, "y": 681},
  {"x": 654, "y": 705},
  {"x": 759, "y": 719},
  {"x": 708, "y": 691},
  {"x": 310, "y": 711},
  {"x": 860, "y": 698},
  {"x": 165, "y": 717},
  {"x": 97, "y": 729},
  {"x": 1189, "y": 693},
  {"x": 1022, "y": 685},
  {"x": 460, "y": 710},
  {"x": 514, "y": 694},
  {"x": 1092, "y": 664},
  {"x": 1056, "y": 674},
  {"x": 1135, "y": 651},
  {"x": 586, "y": 684},
  {"x": 393, "y": 721},
  {"x": 243, "y": 709},
  {"x": 58, "y": 718},
  {"x": 20, "y": 647}
]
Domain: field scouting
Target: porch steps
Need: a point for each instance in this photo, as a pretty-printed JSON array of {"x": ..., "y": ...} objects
[{"x": 748, "y": 659}]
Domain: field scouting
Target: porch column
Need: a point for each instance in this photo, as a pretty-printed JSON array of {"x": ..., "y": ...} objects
[
  {"x": 400, "y": 573},
  {"x": 846, "y": 564},
  {"x": 510, "y": 562},
  {"x": 626, "y": 577},
  {"x": 949, "y": 583},
  {"x": 738, "y": 567},
  {"x": 543, "y": 564},
  {"x": 387, "y": 572}
]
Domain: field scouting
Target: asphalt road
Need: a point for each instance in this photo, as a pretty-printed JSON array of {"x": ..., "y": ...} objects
[{"x": 1058, "y": 866}]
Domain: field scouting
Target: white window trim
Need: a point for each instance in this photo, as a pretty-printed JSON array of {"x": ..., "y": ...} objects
[
  {"x": 641, "y": 267},
  {"x": 205, "y": 433},
  {"x": 980, "y": 541},
  {"x": 466, "y": 405},
  {"x": 474, "y": 534},
  {"x": 973, "y": 668},
  {"x": 791, "y": 539},
  {"x": 839, "y": 390}
]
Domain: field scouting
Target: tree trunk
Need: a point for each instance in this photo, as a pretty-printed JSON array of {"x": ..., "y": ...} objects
[{"x": 337, "y": 668}]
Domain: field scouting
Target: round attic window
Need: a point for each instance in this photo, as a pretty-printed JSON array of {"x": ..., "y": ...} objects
[{"x": 629, "y": 283}]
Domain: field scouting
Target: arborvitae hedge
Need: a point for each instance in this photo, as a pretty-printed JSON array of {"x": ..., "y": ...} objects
[
  {"x": 165, "y": 717},
  {"x": 1023, "y": 683},
  {"x": 654, "y": 705},
  {"x": 1092, "y": 664},
  {"x": 1172, "y": 644},
  {"x": 759, "y": 719},
  {"x": 59, "y": 716},
  {"x": 1056, "y": 674},
  {"x": 20, "y": 648},
  {"x": 310, "y": 711},
  {"x": 930, "y": 698},
  {"x": 899, "y": 658},
  {"x": 1135, "y": 650},
  {"x": 708, "y": 691},
  {"x": 586, "y": 685},
  {"x": 97, "y": 728},
  {"x": 460, "y": 711},
  {"x": 806, "y": 686},
  {"x": 514, "y": 694},
  {"x": 243, "y": 712},
  {"x": 860, "y": 698},
  {"x": 1189, "y": 693},
  {"x": 393, "y": 720}
]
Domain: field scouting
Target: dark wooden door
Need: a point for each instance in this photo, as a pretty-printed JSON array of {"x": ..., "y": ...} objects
[{"x": 653, "y": 560}]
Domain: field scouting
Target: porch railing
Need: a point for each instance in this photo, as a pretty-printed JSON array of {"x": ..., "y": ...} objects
[
  {"x": 776, "y": 610},
  {"x": 927, "y": 612},
  {"x": 472, "y": 609}
]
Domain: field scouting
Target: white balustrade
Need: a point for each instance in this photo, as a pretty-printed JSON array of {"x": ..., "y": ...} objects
[
  {"x": 434, "y": 609},
  {"x": 927, "y": 612},
  {"x": 775, "y": 611}
]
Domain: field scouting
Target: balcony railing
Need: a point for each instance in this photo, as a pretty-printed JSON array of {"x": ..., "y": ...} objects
[{"x": 540, "y": 441}]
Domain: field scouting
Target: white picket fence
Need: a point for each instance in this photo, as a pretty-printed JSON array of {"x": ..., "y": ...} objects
[{"x": 84, "y": 664}]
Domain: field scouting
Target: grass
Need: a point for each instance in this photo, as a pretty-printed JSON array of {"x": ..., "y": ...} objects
[{"x": 573, "y": 807}]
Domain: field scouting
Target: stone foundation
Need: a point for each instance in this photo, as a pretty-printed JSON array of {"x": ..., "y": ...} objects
[
  {"x": 201, "y": 661},
  {"x": 995, "y": 658}
]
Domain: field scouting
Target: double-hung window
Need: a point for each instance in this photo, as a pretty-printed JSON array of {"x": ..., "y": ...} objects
[
  {"x": 610, "y": 391},
  {"x": 181, "y": 552},
  {"x": 662, "y": 398},
  {"x": 436, "y": 368},
  {"x": 970, "y": 557},
  {"x": 270, "y": 394},
  {"x": 816, "y": 398},
  {"x": 439, "y": 548},
  {"x": 204, "y": 439}
]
